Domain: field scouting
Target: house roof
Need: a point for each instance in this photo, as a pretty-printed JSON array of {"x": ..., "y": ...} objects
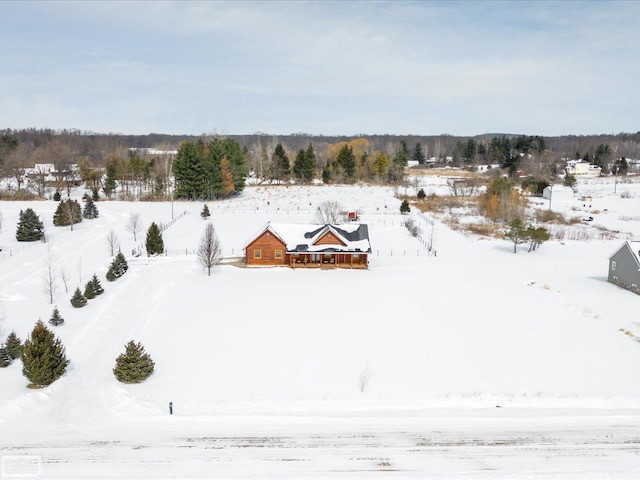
[
  {"x": 634, "y": 248},
  {"x": 303, "y": 237}
]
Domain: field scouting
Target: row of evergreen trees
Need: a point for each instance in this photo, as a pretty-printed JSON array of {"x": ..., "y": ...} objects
[
  {"x": 31, "y": 229},
  {"x": 92, "y": 289}
]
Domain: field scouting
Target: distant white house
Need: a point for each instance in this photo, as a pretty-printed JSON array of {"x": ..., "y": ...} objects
[
  {"x": 153, "y": 151},
  {"x": 557, "y": 193},
  {"x": 582, "y": 168},
  {"x": 486, "y": 168}
]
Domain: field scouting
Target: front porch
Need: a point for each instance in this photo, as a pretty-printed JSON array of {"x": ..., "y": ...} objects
[{"x": 328, "y": 260}]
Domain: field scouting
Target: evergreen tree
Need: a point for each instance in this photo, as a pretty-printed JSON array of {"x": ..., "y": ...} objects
[
  {"x": 56, "y": 319},
  {"x": 30, "y": 228},
  {"x": 57, "y": 196},
  {"x": 13, "y": 345},
  {"x": 154, "y": 243},
  {"x": 404, "y": 207},
  {"x": 121, "y": 264},
  {"x": 43, "y": 357},
  {"x": 205, "y": 212},
  {"x": 421, "y": 195},
  {"x": 227, "y": 177},
  {"x": 305, "y": 164},
  {"x": 97, "y": 286},
  {"x": 78, "y": 300},
  {"x": 326, "y": 174},
  {"x": 536, "y": 236},
  {"x": 280, "y": 165},
  {"x": 402, "y": 154},
  {"x": 67, "y": 213},
  {"x": 89, "y": 291},
  {"x": 517, "y": 233},
  {"x": 110, "y": 179},
  {"x": 418, "y": 154},
  {"x": 117, "y": 268},
  {"x": 90, "y": 210},
  {"x": 347, "y": 160},
  {"x": 111, "y": 274},
  {"x": 5, "y": 358},
  {"x": 134, "y": 365}
]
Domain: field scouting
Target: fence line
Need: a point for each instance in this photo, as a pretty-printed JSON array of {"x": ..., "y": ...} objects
[{"x": 137, "y": 251}]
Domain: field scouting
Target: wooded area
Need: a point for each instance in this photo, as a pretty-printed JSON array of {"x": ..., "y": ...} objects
[{"x": 149, "y": 163}]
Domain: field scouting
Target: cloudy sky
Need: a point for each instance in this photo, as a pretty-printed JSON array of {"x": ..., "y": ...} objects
[{"x": 333, "y": 67}]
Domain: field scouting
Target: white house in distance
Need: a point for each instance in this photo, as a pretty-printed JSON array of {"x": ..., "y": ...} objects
[
  {"x": 557, "y": 193},
  {"x": 582, "y": 168}
]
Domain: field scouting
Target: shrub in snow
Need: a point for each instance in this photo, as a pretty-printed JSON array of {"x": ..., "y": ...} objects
[
  {"x": 134, "y": 365},
  {"x": 404, "y": 207},
  {"x": 117, "y": 268},
  {"x": 78, "y": 300},
  {"x": 421, "y": 194},
  {"x": 13, "y": 345},
  {"x": 205, "y": 212},
  {"x": 56, "y": 319},
  {"x": 89, "y": 291},
  {"x": 43, "y": 357},
  {"x": 5, "y": 358},
  {"x": 97, "y": 286}
]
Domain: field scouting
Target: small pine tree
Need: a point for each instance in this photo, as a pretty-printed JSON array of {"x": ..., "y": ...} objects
[
  {"x": 97, "y": 286},
  {"x": 90, "y": 291},
  {"x": 56, "y": 319},
  {"x": 205, "y": 212},
  {"x": 121, "y": 264},
  {"x": 111, "y": 274},
  {"x": 13, "y": 345},
  {"x": 67, "y": 213},
  {"x": 421, "y": 194},
  {"x": 57, "y": 196},
  {"x": 43, "y": 357},
  {"x": 134, "y": 365},
  {"x": 5, "y": 358},
  {"x": 117, "y": 268},
  {"x": 30, "y": 228},
  {"x": 404, "y": 207},
  {"x": 90, "y": 210},
  {"x": 78, "y": 300},
  {"x": 154, "y": 243}
]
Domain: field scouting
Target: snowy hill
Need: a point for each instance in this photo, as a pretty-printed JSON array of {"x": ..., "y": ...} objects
[{"x": 475, "y": 326}]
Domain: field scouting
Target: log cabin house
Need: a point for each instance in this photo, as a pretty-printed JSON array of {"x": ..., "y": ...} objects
[{"x": 310, "y": 246}]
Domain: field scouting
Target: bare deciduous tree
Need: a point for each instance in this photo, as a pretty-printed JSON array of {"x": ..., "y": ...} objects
[
  {"x": 210, "y": 249},
  {"x": 365, "y": 376},
  {"x": 50, "y": 283},
  {"x": 113, "y": 242},
  {"x": 328, "y": 212},
  {"x": 65, "y": 279},
  {"x": 135, "y": 225}
]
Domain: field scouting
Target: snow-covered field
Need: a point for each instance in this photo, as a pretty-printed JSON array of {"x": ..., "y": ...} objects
[{"x": 478, "y": 363}]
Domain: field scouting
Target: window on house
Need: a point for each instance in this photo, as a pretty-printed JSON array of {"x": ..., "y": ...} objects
[
  {"x": 257, "y": 254},
  {"x": 613, "y": 265},
  {"x": 278, "y": 253},
  {"x": 356, "y": 256}
]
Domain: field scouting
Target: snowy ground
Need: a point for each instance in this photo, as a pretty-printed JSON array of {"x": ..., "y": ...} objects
[{"x": 264, "y": 366}]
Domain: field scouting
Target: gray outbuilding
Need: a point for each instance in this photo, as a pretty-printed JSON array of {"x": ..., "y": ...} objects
[{"x": 624, "y": 266}]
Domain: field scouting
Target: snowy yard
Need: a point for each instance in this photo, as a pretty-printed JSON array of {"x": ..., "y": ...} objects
[{"x": 265, "y": 366}]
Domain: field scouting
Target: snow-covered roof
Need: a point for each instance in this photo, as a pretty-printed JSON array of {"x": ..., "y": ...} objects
[
  {"x": 634, "y": 248},
  {"x": 298, "y": 238}
]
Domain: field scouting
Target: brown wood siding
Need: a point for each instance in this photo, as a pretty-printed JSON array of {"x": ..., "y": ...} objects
[
  {"x": 267, "y": 243},
  {"x": 328, "y": 239}
]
